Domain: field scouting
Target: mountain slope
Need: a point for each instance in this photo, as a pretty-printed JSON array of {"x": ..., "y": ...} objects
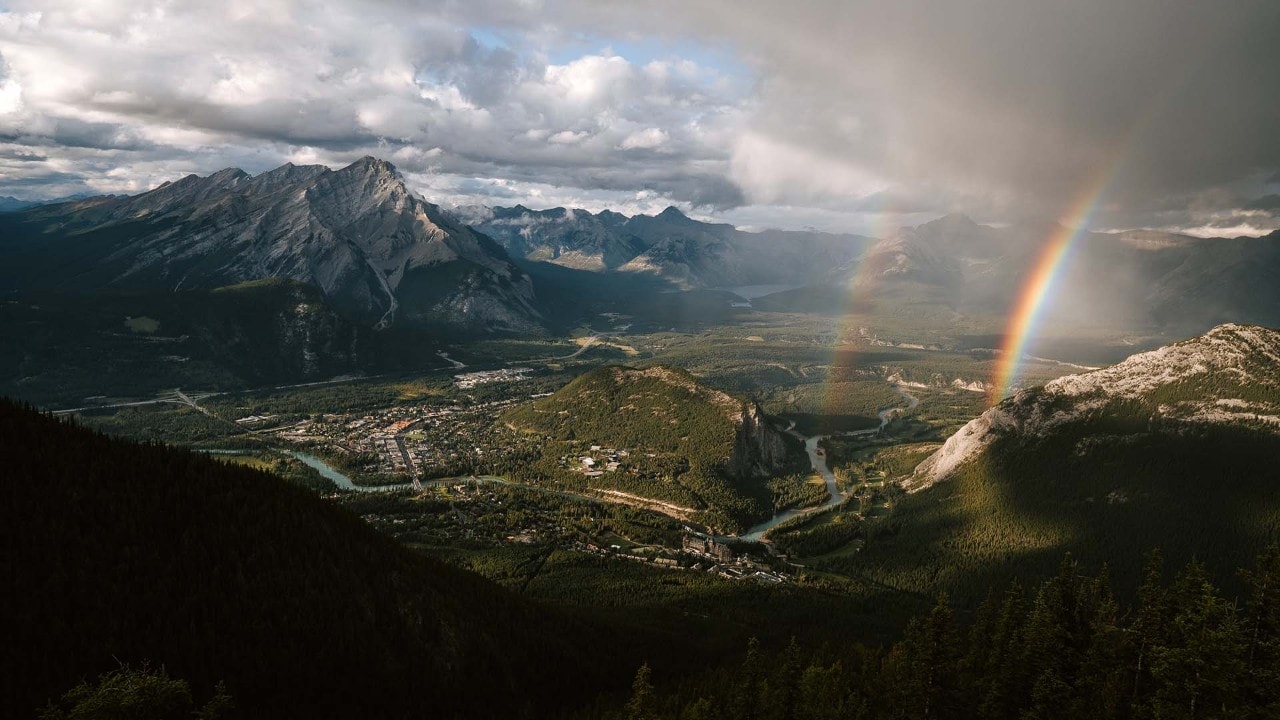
[
  {"x": 121, "y": 552},
  {"x": 674, "y": 440},
  {"x": 1229, "y": 376},
  {"x": 64, "y": 348},
  {"x": 1174, "y": 448},
  {"x": 378, "y": 253}
]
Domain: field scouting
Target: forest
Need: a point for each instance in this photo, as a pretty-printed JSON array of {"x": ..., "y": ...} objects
[{"x": 1069, "y": 649}]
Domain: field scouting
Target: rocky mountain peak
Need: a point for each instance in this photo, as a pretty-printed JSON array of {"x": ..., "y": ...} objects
[
  {"x": 673, "y": 214},
  {"x": 377, "y": 252},
  {"x": 369, "y": 165},
  {"x": 953, "y": 222}
]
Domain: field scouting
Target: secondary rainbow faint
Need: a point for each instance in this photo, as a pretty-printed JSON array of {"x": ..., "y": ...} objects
[
  {"x": 857, "y": 307},
  {"x": 1030, "y": 302}
]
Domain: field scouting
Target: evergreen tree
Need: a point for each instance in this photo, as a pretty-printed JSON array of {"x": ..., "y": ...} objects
[
  {"x": 1004, "y": 687},
  {"x": 924, "y": 667},
  {"x": 1261, "y": 629},
  {"x": 1146, "y": 631},
  {"x": 1198, "y": 670},
  {"x": 746, "y": 699},
  {"x": 640, "y": 706}
]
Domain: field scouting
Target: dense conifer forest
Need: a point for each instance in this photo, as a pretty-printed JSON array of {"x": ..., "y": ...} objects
[
  {"x": 233, "y": 593},
  {"x": 1067, "y": 650},
  {"x": 119, "y": 552}
]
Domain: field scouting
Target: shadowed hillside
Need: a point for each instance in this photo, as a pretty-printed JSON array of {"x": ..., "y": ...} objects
[{"x": 123, "y": 552}]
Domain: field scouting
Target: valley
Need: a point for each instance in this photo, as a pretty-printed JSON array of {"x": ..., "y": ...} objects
[
  {"x": 440, "y": 427},
  {"x": 653, "y": 424}
]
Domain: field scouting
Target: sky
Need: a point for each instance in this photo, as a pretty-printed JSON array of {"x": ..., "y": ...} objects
[{"x": 848, "y": 116}]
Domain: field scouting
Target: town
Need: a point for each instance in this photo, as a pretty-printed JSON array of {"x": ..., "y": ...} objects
[
  {"x": 488, "y": 513},
  {"x": 418, "y": 441}
]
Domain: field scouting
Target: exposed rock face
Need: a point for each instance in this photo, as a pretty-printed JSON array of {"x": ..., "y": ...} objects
[
  {"x": 376, "y": 251},
  {"x": 759, "y": 450},
  {"x": 278, "y": 329},
  {"x": 1230, "y": 375}
]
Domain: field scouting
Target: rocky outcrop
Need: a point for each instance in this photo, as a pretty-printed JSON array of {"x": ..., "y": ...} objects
[
  {"x": 760, "y": 450},
  {"x": 278, "y": 329},
  {"x": 1229, "y": 375}
]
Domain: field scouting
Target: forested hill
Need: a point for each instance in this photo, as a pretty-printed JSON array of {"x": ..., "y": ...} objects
[
  {"x": 123, "y": 552},
  {"x": 669, "y": 438}
]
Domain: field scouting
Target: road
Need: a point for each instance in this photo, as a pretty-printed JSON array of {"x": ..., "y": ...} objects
[
  {"x": 408, "y": 463},
  {"x": 587, "y": 342}
]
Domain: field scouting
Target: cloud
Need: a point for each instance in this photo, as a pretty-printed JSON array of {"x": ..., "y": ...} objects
[
  {"x": 822, "y": 110},
  {"x": 1017, "y": 105},
  {"x": 196, "y": 87},
  {"x": 647, "y": 139}
]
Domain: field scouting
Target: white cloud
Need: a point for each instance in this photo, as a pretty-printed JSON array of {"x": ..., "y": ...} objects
[
  {"x": 567, "y": 137},
  {"x": 646, "y": 139},
  {"x": 772, "y": 172},
  {"x": 202, "y": 86}
]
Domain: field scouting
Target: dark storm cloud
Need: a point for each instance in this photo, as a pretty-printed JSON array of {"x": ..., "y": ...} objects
[
  {"x": 1269, "y": 203},
  {"x": 1023, "y": 101}
]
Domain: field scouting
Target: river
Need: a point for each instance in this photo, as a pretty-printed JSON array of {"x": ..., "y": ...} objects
[
  {"x": 342, "y": 481},
  {"x": 818, "y": 461}
]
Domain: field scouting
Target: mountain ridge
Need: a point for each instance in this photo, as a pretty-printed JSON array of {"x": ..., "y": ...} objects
[
  {"x": 1238, "y": 363},
  {"x": 377, "y": 251}
]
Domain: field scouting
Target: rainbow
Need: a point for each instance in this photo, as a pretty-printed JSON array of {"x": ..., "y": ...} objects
[
  {"x": 1039, "y": 285},
  {"x": 859, "y": 305}
]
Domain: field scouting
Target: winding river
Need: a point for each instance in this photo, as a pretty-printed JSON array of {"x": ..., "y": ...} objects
[{"x": 818, "y": 460}]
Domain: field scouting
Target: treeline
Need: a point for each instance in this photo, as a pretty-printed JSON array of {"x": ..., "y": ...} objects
[{"x": 1069, "y": 650}]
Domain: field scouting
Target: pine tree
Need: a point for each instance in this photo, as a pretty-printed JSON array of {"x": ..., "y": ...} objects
[
  {"x": 1197, "y": 671},
  {"x": 1004, "y": 687},
  {"x": 640, "y": 706},
  {"x": 785, "y": 687},
  {"x": 924, "y": 668},
  {"x": 1103, "y": 690},
  {"x": 746, "y": 699},
  {"x": 1146, "y": 631},
  {"x": 1261, "y": 629}
]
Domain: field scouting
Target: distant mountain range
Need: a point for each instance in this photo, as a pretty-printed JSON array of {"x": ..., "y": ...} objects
[
  {"x": 669, "y": 245},
  {"x": 382, "y": 256},
  {"x": 1114, "y": 280}
]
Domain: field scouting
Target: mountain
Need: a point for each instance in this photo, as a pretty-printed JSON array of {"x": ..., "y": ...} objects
[
  {"x": 63, "y": 349},
  {"x": 120, "y": 552},
  {"x": 1228, "y": 377},
  {"x": 1116, "y": 281},
  {"x": 670, "y": 245},
  {"x": 1174, "y": 448},
  {"x": 701, "y": 452},
  {"x": 378, "y": 253},
  {"x": 11, "y": 204}
]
